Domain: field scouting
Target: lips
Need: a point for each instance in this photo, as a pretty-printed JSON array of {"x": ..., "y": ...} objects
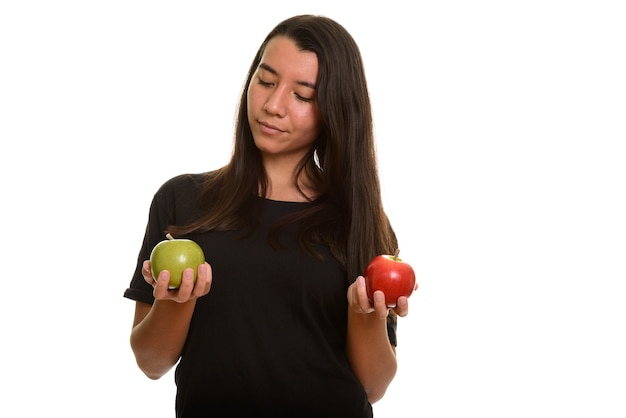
[{"x": 269, "y": 128}]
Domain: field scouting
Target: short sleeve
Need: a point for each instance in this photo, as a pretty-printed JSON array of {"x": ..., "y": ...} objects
[{"x": 173, "y": 203}]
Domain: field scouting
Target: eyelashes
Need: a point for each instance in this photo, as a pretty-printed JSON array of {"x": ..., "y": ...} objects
[
  {"x": 298, "y": 96},
  {"x": 304, "y": 99}
]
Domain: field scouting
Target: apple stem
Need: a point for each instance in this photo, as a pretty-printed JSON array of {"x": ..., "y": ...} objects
[
  {"x": 396, "y": 254},
  {"x": 169, "y": 236}
]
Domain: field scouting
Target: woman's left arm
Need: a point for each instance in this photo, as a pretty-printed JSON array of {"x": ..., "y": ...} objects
[{"x": 371, "y": 355}]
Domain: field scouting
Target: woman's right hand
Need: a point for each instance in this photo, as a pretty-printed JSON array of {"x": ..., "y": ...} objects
[
  {"x": 187, "y": 291},
  {"x": 160, "y": 329}
]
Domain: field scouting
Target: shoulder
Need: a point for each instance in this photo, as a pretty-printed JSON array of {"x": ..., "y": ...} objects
[
  {"x": 182, "y": 186},
  {"x": 180, "y": 190},
  {"x": 183, "y": 182},
  {"x": 178, "y": 200}
]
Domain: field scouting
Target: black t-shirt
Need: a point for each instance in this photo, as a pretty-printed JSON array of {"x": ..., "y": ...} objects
[{"x": 269, "y": 338}]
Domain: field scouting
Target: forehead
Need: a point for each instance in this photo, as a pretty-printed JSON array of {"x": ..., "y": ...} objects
[{"x": 288, "y": 60}]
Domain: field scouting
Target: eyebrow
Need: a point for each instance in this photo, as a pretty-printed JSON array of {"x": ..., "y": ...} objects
[{"x": 273, "y": 71}]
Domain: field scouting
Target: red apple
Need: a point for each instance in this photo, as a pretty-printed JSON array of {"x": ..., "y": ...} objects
[
  {"x": 175, "y": 255},
  {"x": 391, "y": 275}
]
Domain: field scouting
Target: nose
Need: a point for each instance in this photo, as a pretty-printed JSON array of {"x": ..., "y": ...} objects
[{"x": 276, "y": 102}]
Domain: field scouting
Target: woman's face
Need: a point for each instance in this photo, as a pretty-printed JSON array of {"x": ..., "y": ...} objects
[{"x": 282, "y": 104}]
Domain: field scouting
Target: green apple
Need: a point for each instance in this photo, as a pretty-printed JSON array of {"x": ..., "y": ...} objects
[{"x": 175, "y": 255}]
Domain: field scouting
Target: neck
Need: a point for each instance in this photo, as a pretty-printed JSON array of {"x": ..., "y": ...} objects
[{"x": 285, "y": 185}]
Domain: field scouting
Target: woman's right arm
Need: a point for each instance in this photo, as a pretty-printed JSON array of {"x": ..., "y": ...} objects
[{"x": 160, "y": 330}]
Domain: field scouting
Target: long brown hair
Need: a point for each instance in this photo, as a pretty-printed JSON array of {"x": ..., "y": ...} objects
[{"x": 349, "y": 215}]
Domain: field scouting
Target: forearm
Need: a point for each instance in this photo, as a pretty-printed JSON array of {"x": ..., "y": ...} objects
[
  {"x": 371, "y": 355},
  {"x": 157, "y": 340}
]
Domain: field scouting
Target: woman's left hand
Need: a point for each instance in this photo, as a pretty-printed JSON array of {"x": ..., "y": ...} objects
[{"x": 360, "y": 303}]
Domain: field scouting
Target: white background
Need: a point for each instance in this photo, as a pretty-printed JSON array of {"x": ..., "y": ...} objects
[{"x": 500, "y": 128}]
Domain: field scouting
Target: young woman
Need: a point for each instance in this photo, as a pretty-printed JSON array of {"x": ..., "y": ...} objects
[{"x": 278, "y": 322}]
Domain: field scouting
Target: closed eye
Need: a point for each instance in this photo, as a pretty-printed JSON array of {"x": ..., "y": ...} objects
[
  {"x": 304, "y": 99},
  {"x": 298, "y": 96}
]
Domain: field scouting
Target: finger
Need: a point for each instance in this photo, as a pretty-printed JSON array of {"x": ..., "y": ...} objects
[
  {"x": 161, "y": 286},
  {"x": 362, "y": 299},
  {"x": 203, "y": 283},
  {"x": 146, "y": 272},
  {"x": 402, "y": 307},
  {"x": 351, "y": 295},
  {"x": 186, "y": 285},
  {"x": 380, "y": 306}
]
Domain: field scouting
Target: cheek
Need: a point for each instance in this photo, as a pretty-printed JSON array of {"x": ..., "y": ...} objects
[
  {"x": 252, "y": 98},
  {"x": 312, "y": 123}
]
